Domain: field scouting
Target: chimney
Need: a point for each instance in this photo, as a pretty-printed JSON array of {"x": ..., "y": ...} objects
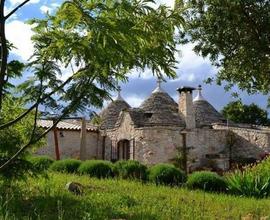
[{"x": 185, "y": 106}]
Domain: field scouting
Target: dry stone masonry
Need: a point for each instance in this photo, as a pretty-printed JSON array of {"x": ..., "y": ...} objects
[{"x": 161, "y": 130}]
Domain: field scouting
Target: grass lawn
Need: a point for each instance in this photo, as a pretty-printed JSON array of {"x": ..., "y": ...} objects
[{"x": 43, "y": 198}]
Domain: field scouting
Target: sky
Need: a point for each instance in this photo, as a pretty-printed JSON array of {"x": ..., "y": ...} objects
[{"x": 191, "y": 70}]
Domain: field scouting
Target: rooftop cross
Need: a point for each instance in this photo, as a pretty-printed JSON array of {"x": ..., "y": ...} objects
[
  {"x": 158, "y": 89},
  {"x": 119, "y": 97}
]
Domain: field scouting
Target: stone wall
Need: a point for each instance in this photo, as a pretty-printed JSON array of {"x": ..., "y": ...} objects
[
  {"x": 158, "y": 144},
  {"x": 203, "y": 144},
  {"x": 249, "y": 142},
  {"x": 150, "y": 145},
  {"x": 69, "y": 144},
  {"x": 125, "y": 131}
]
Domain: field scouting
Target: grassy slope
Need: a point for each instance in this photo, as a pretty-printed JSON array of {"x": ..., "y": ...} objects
[{"x": 112, "y": 199}]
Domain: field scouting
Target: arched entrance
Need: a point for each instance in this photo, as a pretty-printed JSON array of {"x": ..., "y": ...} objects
[{"x": 123, "y": 150}]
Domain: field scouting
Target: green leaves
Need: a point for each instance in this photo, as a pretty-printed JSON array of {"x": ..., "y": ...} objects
[
  {"x": 250, "y": 114},
  {"x": 252, "y": 181},
  {"x": 235, "y": 35},
  {"x": 13, "y": 137},
  {"x": 106, "y": 40}
]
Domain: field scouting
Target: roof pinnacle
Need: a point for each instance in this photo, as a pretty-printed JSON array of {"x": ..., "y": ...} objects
[
  {"x": 119, "y": 97},
  {"x": 158, "y": 88},
  {"x": 199, "y": 96}
]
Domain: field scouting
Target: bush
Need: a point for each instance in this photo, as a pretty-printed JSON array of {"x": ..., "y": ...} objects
[
  {"x": 41, "y": 163},
  {"x": 254, "y": 181},
  {"x": 97, "y": 168},
  {"x": 66, "y": 166},
  {"x": 130, "y": 169},
  {"x": 207, "y": 181},
  {"x": 166, "y": 174}
]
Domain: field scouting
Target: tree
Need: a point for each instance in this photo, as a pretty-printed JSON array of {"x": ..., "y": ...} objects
[
  {"x": 5, "y": 70},
  {"x": 235, "y": 35},
  {"x": 13, "y": 137},
  {"x": 250, "y": 114},
  {"x": 102, "y": 41}
]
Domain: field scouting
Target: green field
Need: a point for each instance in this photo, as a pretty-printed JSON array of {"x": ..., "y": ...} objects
[{"x": 47, "y": 198}]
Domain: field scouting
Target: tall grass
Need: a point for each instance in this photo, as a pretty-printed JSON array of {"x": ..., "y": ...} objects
[{"x": 120, "y": 199}]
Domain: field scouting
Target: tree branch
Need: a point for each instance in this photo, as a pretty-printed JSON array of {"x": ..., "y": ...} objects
[
  {"x": 41, "y": 100},
  {"x": 15, "y": 9},
  {"x": 36, "y": 112},
  {"x": 35, "y": 105},
  {"x": 4, "y": 51},
  {"x": 31, "y": 142}
]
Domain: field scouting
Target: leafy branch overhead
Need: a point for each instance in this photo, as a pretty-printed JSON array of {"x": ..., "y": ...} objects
[
  {"x": 101, "y": 42},
  {"x": 235, "y": 35},
  {"x": 104, "y": 41}
]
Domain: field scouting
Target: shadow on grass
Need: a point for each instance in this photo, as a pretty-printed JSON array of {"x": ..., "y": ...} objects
[{"x": 65, "y": 207}]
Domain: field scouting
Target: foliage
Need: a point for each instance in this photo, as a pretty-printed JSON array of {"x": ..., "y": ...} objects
[
  {"x": 252, "y": 181},
  {"x": 130, "y": 169},
  {"x": 13, "y": 137},
  {"x": 120, "y": 199},
  {"x": 166, "y": 174},
  {"x": 180, "y": 159},
  {"x": 99, "y": 43},
  {"x": 66, "y": 165},
  {"x": 41, "y": 163},
  {"x": 207, "y": 181},
  {"x": 97, "y": 168},
  {"x": 102, "y": 41},
  {"x": 236, "y": 38},
  {"x": 251, "y": 114}
]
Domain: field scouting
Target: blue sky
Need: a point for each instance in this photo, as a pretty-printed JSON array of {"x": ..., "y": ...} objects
[{"x": 191, "y": 70}]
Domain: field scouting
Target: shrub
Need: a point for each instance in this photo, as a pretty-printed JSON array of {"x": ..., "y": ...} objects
[
  {"x": 207, "y": 181},
  {"x": 41, "y": 163},
  {"x": 97, "y": 168},
  {"x": 66, "y": 166},
  {"x": 253, "y": 181},
  {"x": 130, "y": 169},
  {"x": 166, "y": 174}
]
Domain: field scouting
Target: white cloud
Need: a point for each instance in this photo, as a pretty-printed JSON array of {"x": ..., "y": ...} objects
[
  {"x": 19, "y": 34},
  {"x": 49, "y": 9},
  {"x": 185, "y": 76},
  {"x": 188, "y": 58},
  {"x": 45, "y": 9},
  {"x": 146, "y": 74},
  {"x": 169, "y": 3},
  {"x": 15, "y": 2},
  {"x": 134, "y": 101}
]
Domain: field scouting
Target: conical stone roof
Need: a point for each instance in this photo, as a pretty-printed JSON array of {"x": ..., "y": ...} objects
[
  {"x": 110, "y": 114},
  {"x": 161, "y": 110},
  {"x": 205, "y": 113}
]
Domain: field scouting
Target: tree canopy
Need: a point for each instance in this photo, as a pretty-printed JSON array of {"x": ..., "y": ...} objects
[
  {"x": 13, "y": 137},
  {"x": 250, "y": 114},
  {"x": 103, "y": 41},
  {"x": 99, "y": 42},
  {"x": 235, "y": 35}
]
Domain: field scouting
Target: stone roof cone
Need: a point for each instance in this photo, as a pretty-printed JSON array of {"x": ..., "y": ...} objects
[
  {"x": 110, "y": 114},
  {"x": 205, "y": 113},
  {"x": 163, "y": 108}
]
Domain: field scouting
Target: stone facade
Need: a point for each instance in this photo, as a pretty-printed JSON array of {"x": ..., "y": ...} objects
[
  {"x": 70, "y": 144},
  {"x": 249, "y": 141},
  {"x": 160, "y": 129}
]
